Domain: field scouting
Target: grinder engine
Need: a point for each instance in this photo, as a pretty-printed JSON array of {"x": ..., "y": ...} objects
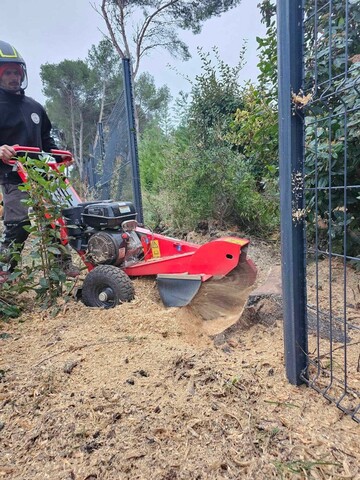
[{"x": 105, "y": 231}]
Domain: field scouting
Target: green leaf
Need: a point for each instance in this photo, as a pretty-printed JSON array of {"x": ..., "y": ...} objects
[
  {"x": 44, "y": 282},
  {"x": 54, "y": 250}
]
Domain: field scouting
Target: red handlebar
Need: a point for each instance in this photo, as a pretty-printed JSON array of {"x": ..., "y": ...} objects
[
  {"x": 61, "y": 152},
  {"x": 68, "y": 158},
  {"x": 18, "y": 148}
]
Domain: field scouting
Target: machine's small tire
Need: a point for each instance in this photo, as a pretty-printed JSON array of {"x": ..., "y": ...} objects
[{"x": 107, "y": 281}]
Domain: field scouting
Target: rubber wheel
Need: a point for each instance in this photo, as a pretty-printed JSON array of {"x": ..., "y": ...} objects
[{"x": 107, "y": 286}]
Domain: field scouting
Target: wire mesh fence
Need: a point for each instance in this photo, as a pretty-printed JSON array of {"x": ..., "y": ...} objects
[
  {"x": 113, "y": 167},
  {"x": 109, "y": 168},
  {"x": 319, "y": 111},
  {"x": 332, "y": 198}
]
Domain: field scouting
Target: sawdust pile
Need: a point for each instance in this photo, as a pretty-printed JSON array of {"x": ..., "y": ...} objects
[
  {"x": 223, "y": 297},
  {"x": 142, "y": 392}
]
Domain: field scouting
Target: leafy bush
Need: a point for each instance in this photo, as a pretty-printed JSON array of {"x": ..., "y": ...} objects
[
  {"x": 41, "y": 270},
  {"x": 211, "y": 168},
  {"x": 152, "y": 157},
  {"x": 218, "y": 188},
  {"x": 254, "y": 130}
]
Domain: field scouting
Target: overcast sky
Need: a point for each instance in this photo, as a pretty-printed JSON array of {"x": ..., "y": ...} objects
[{"x": 48, "y": 31}]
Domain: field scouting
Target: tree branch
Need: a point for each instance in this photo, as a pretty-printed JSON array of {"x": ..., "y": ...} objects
[
  {"x": 143, "y": 30},
  {"x": 122, "y": 27},
  {"x": 110, "y": 29}
]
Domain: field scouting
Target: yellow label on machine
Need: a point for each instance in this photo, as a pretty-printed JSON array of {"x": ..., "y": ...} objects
[
  {"x": 154, "y": 244},
  {"x": 237, "y": 241}
]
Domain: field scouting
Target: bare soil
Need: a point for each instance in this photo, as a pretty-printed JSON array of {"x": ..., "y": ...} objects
[{"x": 143, "y": 392}]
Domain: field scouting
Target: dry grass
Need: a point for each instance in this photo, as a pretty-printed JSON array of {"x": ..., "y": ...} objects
[{"x": 141, "y": 392}]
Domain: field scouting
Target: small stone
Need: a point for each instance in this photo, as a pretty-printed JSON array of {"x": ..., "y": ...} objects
[
  {"x": 226, "y": 349},
  {"x": 69, "y": 366},
  {"x": 232, "y": 343},
  {"x": 219, "y": 339},
  {"x": 5, "y": 336},
  {"x": 116, "y": 416},
  {"x": 130, "y": 381},
  {"x": 90, "y": 447}
]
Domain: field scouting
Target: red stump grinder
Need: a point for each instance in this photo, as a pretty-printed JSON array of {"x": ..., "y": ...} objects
[{"x": 114, "y": 248}]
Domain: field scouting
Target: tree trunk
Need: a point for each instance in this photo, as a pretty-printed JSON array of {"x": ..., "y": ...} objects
[
  {"x": 102, "y": 104},
  {"x": 73, "y": 130},
  {"x": 81, "y": 150}
]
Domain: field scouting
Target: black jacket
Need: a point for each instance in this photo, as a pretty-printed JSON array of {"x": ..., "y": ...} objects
[{"x": 23, "y": 121}]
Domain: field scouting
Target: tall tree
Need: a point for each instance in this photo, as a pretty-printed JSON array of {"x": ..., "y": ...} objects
[
  {"x": 70, "y": 87},
  {"x": 137, "y": 27},
  {"x": 106, "y": 66},
  {"x": 151, "y": 102}
]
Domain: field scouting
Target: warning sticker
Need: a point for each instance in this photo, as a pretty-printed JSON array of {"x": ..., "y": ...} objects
[{"x": 155, "y": 248}]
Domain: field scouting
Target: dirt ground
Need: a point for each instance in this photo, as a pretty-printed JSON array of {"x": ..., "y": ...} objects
[{"x": 143, "y": 392}]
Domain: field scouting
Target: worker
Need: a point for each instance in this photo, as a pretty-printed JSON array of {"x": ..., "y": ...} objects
[{"x": 23, "y": 121}]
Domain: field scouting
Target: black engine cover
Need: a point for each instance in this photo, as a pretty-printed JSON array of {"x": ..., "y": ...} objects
[{"x": 107, "y": 214}]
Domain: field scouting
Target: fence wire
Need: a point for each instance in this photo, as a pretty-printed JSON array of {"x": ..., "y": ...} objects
[
  {"x": 330, "y": 102},
  {"x": 109, "y": 169}
]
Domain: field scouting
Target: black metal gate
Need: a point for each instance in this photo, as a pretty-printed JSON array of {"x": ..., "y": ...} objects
[{"x": 319, "y": 111}]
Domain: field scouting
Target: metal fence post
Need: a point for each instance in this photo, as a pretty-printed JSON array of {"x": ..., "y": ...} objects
[
  {"x": 291, "y": 148},
  {"x": 129, "y": 102}
]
